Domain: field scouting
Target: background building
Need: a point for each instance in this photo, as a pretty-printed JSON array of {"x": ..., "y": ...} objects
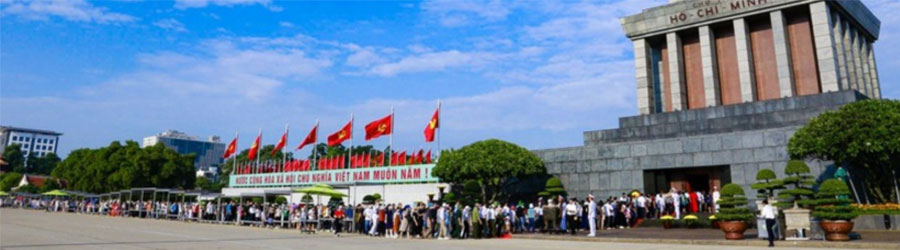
[
  {"x": 209, "y": 152},
  {"x": 36, "y": 141},
  {"x": 722, "y": 86}
]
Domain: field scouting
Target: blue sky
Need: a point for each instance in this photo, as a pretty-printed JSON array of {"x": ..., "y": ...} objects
[{"x": 536, "y": 73}]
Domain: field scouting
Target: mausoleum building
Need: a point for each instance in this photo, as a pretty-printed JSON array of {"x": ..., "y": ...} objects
[{"x": 721, "y": 87}]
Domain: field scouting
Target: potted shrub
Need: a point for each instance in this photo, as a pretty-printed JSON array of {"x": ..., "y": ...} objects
[
  {"x": 714, "y": 221},
  {"x": 766, "y": 184},
  {"x": 798, "y": 198},
  {"x": 692, "y": 221},
  {"x": 834, "y": 210},
  {"x": 666, "y": 221},
  {"x": 733, "y": 212}
]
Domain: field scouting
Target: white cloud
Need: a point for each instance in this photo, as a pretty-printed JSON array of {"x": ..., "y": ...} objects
[
  {"x": 170, "y": 24},
  {"x": 286, "y": 24},
  {"x": 226, "y": 67},
  {"x": 433, "y": 61},
  {"x": 457, "y": 13},
  {"x": 71, "y": 10},
  {"x": 186, "y": 4}
]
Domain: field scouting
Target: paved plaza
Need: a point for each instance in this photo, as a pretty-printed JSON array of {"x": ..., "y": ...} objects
[{"x": 26, "y": 229}]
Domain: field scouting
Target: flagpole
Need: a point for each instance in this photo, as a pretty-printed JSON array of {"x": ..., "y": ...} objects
[
  {"x": 439, "y": 127},
  {"x": 234, "y": 155},
  {"x": 286, "y": 137},
  {"x": 258, "y": 149},
  {"x": 316, "y": 147},
  {"x": 351, "y": 138},
  {"x": 391, "y": 142}
]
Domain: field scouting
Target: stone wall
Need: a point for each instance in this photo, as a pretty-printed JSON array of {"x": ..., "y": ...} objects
[{"x": 746, "y": 137}]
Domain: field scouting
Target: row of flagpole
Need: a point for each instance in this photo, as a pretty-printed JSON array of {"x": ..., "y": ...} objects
[{"x": 380, "y": 126}]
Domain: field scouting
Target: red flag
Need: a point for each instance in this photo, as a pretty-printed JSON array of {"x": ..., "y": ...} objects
[
  {"x": 280, "y": 143},
  {"x": 255, "y": 147},
  {"x": 428, "y": 157},
  {"x": 380, "y": 161},
  {"x": 367, "y": 159},
  {"x": 419, "y": 156},
  {"x": 232, "y": 147},
  {"x": 321, "y": 164},
  {"x": 341, "y": 135},
  {"x": 393, "y": 158},
  {"x": 310, "y": 138},
  {"x": 379, "y": 127},
  {"x": 432, "y": 126},
  {"x": 353, "y": 161},
  {"x": 402, "y": 158},
  {"x": 342, "y": 161}
]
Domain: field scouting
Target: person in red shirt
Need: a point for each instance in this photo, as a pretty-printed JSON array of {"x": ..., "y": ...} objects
[{"x": 338, "y": 220}]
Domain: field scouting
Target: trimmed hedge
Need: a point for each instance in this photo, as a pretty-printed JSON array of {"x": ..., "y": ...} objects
[
  {"x": 733, "y": 204},
  {"x": 832, "y": 202}
]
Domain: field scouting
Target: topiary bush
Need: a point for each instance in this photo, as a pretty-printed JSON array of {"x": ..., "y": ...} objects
[
  {"x": 800, "y": 180},
  {"x": 766, "y": 184},
  {"x": 833, "y": 202},
  {"x": 733, "y": 204},
  {"x": 554, "y": 186}
]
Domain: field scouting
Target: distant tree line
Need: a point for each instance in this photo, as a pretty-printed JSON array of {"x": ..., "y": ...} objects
[{"x": 117, "y": 166}]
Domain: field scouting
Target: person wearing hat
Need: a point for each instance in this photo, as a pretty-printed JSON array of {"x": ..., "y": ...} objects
[{"x": 592, "y": 215}]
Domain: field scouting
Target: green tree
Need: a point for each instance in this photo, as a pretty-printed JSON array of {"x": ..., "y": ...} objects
[
  {"x": 864, "y": 134},
  {"x": 491, "y": 162},
  {"x": 14, "y": 158},
  {"x": 118, "y": 166},
  {"x": 9, "y": 181},
  {"x": 800, "y": 181},
  {"x": 832, "y": 202},
  {"x": 733, "y": 204},
  {"x": 766, "y": 184},
  {"x": 28, "y": 189},
  {"x": 42, "y": 165},
  {"x": 554, "y": 186}
]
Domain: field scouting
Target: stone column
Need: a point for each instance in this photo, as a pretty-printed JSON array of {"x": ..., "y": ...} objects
[
  {"x": 824, "y": 40},
  {"x": 838, "y": 31},
  {"x": 661, "y": 76},
  {"x": 643, "y": 75},
  {"x": 874, "y": 70},
  {"x": 710, "y": 70},
  {"x": 852, "y": 81},
  {"x": 782, "y": 54},
  {"x": 857, "y": 63},
  {"x": 744, "y": 60},
  {"x": 863, "y": 56},
  {"x": 676, "y": 75}
]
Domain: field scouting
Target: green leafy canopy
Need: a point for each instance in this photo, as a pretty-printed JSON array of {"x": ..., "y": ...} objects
[
  {"x": 491, "y": 162},
  {"x": 864, "y": 134}
]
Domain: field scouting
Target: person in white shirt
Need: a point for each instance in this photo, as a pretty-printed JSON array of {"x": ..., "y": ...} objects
[
  {"x": 641, "y": 203},
  {"x": 677, "y": 202},
  {"x": 609, "y": 214},
  {"x": 660, "y": 205},
  {"x": 571, "y": 211},
  {"x": 715, "y": 198},
  {"x": 768, "y": 213},
  {"x": 592, "y": 216}
]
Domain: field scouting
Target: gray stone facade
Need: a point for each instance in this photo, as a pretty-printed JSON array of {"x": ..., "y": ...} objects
[{"x": 744, "y": 137}]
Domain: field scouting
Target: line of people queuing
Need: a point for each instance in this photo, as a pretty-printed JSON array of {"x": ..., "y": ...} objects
[{"x": 420, "y": 220}]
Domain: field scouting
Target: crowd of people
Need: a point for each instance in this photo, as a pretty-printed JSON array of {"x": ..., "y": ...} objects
[{"x": 432, "y": 220}]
